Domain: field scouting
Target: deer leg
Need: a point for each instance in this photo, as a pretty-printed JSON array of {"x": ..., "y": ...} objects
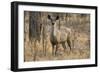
[
  {"x": 64, "y": 46},
  {"x": 69, "y": 43},
  {"x": 52, "y": 49},
  {"x": 57, "y": 46}
]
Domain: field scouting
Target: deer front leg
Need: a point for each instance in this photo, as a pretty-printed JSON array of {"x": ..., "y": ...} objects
[
  {"x": 52, "y": 50},
  {"x": 56, "y": 50}
]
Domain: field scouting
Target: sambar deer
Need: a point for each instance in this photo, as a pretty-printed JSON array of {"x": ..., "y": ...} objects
[{"x": 59, "y": 36}]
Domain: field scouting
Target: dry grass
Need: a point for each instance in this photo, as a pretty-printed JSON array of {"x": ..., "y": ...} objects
[
  {"x": 74, "y": 54},
  {"x": 80, "y": 51}
]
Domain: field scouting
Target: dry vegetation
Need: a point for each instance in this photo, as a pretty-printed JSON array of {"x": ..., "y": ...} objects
[{"x": 37, "y": 45}]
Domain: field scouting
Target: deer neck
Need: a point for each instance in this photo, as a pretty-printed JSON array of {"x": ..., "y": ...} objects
[{"x": 54, "y": 31}]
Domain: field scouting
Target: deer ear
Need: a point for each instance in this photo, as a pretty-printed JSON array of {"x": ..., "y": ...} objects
[
  {"x": 49, "y": 17},
  {"x": 57, "y": 17}
]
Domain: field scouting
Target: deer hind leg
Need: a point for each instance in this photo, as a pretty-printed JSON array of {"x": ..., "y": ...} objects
[
  {"x": 64, "y": 46},
  {"x": 69, "y": 43}
]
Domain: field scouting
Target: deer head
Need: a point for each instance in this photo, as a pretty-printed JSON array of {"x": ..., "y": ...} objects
[{"x": 53, "y": 19}]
